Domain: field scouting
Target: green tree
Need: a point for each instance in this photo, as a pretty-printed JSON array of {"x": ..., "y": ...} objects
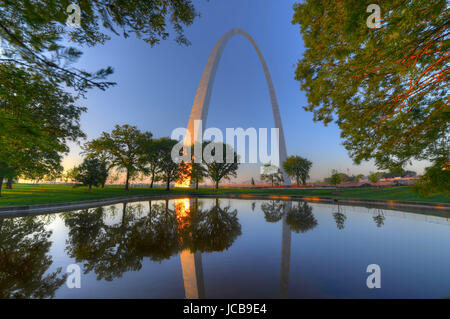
[
  {"x": 374, "y": 177},
  {"x": 37, "y": 119},
  {"x": 198, "y": 173},
  {"x": 38, "y": 38},
  {"x": 149, "y": 160},
  {"x": 271, "y": 174},
  {"x": 217, "y": 164},
  {"x": 71, "y": 174},
  {"x": 92, "y": 172},
  {"x": 335, "y": 178},
  {"x": 122, "y": 148},
  {"x": 298, "y": 168},
  {"x": 387, "y": 87},
  {"x": 37, "y": 116},
  {"x": 358, "y": 177},
  {"x": 169, "y": 170},
  {"x": 435, "y": 180}
]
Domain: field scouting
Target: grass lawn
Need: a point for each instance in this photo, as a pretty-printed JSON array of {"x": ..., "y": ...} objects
[{"x": 27, "y": 194}]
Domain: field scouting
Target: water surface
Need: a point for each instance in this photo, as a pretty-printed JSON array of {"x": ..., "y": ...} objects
[{"x": 225, "y": 248}]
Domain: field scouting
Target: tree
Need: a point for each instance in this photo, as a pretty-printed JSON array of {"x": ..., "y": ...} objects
[
  {"x": 169, "y": 170},
  {"x": 198, "y": 173},
  {"x": 335, "y": 178},
  {"x": 122, "y": 148},
  {"x": 38, "y": 37},
  {"x": 71, "y": 174},
  {"x": 273, "y": 210},
  {"x": 252, "y": 182},
  {"x": 25, "y": 260},
  {"x": 210, "y": 230},
  {"x": 374, "y": 177},
  {"x": 216, "y": 163},
  {"x": 92, "y": 172},
  {"x": 436, "y": 179},
  {"x": 387, "y": 87},
  {"x": 149, "y": 160},
  {"x": 37, "y": 119},
  {"x": 271, "y": 174},
  {"x": 301, "y": 218},
  {"x": 358, "y": 177},
  {"x": 37, "y": 116},
  {"x": 298, "y": 168}
]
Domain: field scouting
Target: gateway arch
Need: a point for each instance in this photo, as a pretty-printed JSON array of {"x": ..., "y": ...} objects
[{"x": 203, "y": 94}]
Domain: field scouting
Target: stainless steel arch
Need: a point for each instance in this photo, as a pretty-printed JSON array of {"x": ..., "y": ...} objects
[{"x": 203, "y": 95}]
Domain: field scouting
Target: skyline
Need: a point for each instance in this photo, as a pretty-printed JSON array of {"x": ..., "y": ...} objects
[{"x": 156, "y": 86}]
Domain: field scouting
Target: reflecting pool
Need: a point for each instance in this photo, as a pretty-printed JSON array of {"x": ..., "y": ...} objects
[{"x": 225, "y": 248}]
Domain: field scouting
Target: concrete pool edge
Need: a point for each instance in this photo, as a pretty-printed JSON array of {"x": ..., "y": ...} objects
[{"x": 391, "y": 204}]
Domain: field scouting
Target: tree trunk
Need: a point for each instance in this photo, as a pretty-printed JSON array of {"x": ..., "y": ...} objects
[
  {"x": 168, "y": 184},
  {"x": 151, "y": 184},
  {"x": 196, "y": 184},
  {"x": 217, "y": 185},
  {"x": 1, "y": 183},
  {"x": 127, "y": 182},
  {"x": 103, "y": 185},
  {"x": 8, "y": 184},
  {"x": 90, "y": 187},
  {"x": 124, "y": 212}
]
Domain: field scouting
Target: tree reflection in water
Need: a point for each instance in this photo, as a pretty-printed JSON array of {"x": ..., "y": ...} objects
[
  {"x": 111, "y": 250},
  {"x": 273, "y": 210},
  {"x": 210, "y": 230},
  {"x": 379, "y": 218},
  {"x": 340, "y": 218},
  {"x": 301, "y": 218},
  {"x": 24, "y": 259}
]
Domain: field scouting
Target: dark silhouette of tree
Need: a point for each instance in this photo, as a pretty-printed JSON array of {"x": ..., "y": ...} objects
[
  {"x": 111, "y": 250},
  {"x": 273, "y": 210},
  {"x": 156, "y": 235},
  {"x": 340, "y": 218},
  {"x": 301, "y": 218},
  {"x": 24, "y": 260},
  {"x": 379, "y": 219}
]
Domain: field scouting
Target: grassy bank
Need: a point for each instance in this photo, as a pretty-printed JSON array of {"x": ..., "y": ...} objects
[{"x": 25, "y": 194}]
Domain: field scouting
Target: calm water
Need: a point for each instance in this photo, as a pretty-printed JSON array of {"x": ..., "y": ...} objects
[{"x": 211, "y": 248}]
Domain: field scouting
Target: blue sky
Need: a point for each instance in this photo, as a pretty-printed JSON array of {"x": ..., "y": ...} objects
[{"x": 156, "y": 86}]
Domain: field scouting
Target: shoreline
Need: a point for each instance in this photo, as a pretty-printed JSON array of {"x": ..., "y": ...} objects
[{"x": 67, "y": 206}]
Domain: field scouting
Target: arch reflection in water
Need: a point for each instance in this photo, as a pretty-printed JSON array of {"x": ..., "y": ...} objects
[
  {"x": 299, "y": 217},
  {"x": 203, "y": 231},
  {"x": 140, "y": 242}
]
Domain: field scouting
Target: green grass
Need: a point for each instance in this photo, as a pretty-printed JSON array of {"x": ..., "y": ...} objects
[{"x": 26, "y": 194}]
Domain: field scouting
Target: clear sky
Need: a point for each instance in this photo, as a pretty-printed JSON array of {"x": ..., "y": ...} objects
[{"x": 156, "y": 86}]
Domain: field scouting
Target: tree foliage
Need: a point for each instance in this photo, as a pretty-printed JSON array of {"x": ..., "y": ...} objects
[
  {"x": 37, "y": 119},
  {"x": 218, "y": 166},
  {"x": 335, "y": 178},
  {"x": 272, "y": 174},
  {"x": 92, "y": 172},
  {"x": 37, "y": 36},
  {"x": 388, "y": 87},
  {"x": 122, "y": 148},
  {"x": 169, "y": 170}
]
